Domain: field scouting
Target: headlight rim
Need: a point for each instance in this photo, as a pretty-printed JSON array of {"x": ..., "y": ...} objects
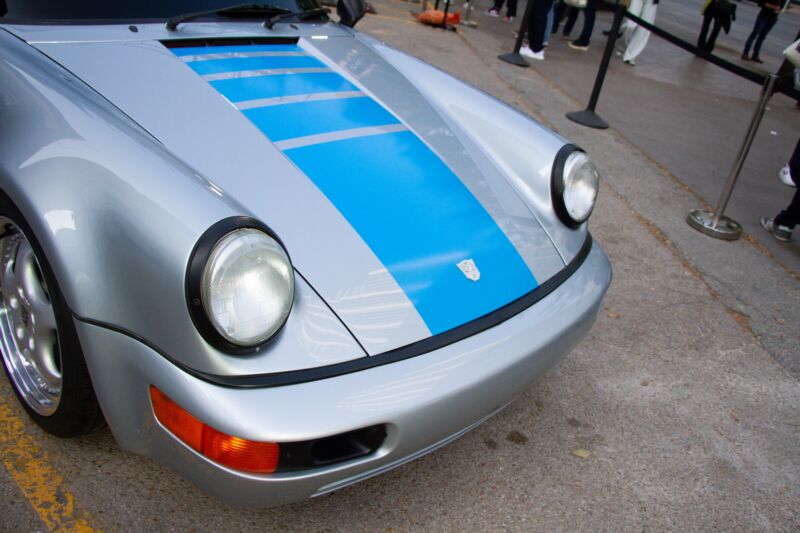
[
  {"x": 557, "y": 187},
  {"x": 194, "y": 281}
]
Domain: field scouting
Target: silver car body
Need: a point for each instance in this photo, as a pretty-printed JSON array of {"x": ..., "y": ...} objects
[{"x": 122, "y": 151}]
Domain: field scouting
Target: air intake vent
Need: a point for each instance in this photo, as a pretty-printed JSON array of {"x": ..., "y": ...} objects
[{"x": 330, "y": 450}]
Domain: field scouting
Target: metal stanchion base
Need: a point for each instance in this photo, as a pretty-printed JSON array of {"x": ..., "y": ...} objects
[
  {"x": 588, "y": 118},
  {"x": 705, "y": 222},
  {"x": 469, "y": 23},
  {"x": 514, "y": 59}
]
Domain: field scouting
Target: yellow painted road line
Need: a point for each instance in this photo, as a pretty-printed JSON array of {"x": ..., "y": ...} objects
[{"x": 36, "y": 478}]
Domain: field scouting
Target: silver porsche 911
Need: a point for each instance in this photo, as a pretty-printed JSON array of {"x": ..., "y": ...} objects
[{"x": 273, "y": 253}]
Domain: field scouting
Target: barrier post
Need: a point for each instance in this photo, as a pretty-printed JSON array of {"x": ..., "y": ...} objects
[
  {"x": 446, "y": 9},
  {"x": 514, "y": 57},
  {"x": 716, "y": 224},
  {"x": 588, "y": 117}
]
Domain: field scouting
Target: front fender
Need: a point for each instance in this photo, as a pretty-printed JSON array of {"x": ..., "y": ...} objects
[
  {"x": 118, "y": 216},
  {"x": 520, "y": 147}
]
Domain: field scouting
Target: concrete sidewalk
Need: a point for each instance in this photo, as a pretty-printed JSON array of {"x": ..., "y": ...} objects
[{"x": 689, "y": 416}]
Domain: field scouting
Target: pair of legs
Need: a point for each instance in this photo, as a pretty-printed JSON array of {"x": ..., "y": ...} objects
[
  {"x": 763, "y": 25},
  {"x": 704, "y": 43},
  {"x": 635, "y": 36},
  {"x": 511, "y": 10},
  {"x": 537, "y": 23},
  {"x": 572, "y": 17},
  {"x": 783, "y": 224},
  {"x": 589, "y": 13},
  {"x": 559, "y": 10},
  {"x": 790, "y": 216}
]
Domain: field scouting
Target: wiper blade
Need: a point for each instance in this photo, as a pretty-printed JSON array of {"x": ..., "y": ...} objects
[
  {"x": 244, "y": 9},
  {"x": 301, "y": 15}
]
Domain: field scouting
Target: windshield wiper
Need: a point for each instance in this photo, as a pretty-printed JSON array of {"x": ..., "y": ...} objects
[
  {"x": 301, "y": 15},
  {"x": 231, "y": 11}
]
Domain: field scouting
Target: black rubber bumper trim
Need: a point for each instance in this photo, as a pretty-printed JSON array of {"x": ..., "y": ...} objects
[{"x": 430, "y": 344}]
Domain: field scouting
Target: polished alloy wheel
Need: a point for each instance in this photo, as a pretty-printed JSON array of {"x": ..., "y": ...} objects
[{"x": 28, "y": 330}]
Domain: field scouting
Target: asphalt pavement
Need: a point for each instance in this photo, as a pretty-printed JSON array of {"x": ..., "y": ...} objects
[{"x": 679, "y": 411}]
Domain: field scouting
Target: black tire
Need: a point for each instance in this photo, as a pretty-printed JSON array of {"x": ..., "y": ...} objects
[{"x": 77, "y": 412}]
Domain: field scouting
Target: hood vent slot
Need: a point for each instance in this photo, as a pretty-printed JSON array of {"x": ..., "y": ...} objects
[{"x": 237, "y": 41}]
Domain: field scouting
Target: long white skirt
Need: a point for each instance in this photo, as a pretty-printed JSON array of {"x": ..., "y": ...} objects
[{"x": 634, "y": 36}]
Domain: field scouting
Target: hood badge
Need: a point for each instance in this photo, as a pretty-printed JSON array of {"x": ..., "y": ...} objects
[{"x": 469, "y": 269}]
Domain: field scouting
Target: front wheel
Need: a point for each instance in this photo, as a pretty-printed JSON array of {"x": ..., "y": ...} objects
[{"x": 40, "y": 347}]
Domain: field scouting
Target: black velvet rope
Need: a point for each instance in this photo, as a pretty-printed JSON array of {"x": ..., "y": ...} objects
[{"x": 782, "y": 85}]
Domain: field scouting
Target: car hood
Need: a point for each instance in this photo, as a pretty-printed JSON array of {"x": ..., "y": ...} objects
[{"x": 389, "y": 210}]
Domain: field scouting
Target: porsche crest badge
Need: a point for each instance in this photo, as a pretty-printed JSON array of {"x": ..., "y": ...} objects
[{"x": 469, "y": 269}]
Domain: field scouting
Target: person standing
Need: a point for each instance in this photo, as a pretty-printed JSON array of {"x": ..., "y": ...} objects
[
  {"x": 766, "y": 19},
  {"x": 634, "y": 36},
  {"x": 537, "y": 24},
  {"x": 784, "y": 222},
  {"x": 721, "y": 12},
  {"x": 582, "y": 42}
]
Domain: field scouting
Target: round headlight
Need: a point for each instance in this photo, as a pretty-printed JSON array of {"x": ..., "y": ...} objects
[
  {"x": 246, "y": 287},
  {"x": 574, "y": 186}
]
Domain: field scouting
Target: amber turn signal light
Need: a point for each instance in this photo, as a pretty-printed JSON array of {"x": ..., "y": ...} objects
[{"x": 227, "y": 450}]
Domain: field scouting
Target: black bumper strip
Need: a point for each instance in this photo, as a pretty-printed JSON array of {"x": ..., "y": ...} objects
[{"x": 430, "y": 344}]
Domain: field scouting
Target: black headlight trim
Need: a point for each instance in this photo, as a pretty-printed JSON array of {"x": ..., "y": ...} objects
[
  {"x": 194, "y": 281},
  {"x": 557, "y": 185}
]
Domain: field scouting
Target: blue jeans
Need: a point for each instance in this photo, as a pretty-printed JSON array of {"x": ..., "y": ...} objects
[
  {"x": 764, "y": 23},
  {"x": 549, "y": 28}
]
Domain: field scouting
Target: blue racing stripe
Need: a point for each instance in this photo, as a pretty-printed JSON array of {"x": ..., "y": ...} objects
[
  {"x": 241, "y": 89},
  {"x": 288, "y": 121},
  {"x": 199, "y": 50},
  {"x": 235, "y": 64},
  {"x": 420, "y": 221},
  {"x": 412, "y": 211}
]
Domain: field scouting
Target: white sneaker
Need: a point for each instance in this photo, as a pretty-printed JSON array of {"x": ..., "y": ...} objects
[
  {"x": 781, "y": 233},
  {"x": 492, "y": 12},
  {"x": 527, "y": 52},
  {"x": 785, "y": 176}
]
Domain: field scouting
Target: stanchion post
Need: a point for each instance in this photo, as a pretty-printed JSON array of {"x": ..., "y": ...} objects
[
  {"x": 716, "y": 224},
  {"x": 446, "y": 9},
  {"x": 588, "y": 117},
  {"x": 514, "y": 57}
]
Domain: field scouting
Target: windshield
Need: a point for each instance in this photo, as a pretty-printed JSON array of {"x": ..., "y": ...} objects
[{"x": 125, "y": 10}]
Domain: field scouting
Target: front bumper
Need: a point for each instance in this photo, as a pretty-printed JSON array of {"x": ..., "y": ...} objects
[{"x": 425, "y": 401}]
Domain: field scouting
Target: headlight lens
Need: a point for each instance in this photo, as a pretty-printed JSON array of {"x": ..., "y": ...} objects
[
  {"x": 247, "y": 287},
  {"x": 575, "y": 183}
]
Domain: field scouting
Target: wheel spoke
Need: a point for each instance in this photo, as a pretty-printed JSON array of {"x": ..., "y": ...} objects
[
  {"x": 22, "y": 265},
  {"x": 44, "y": 319},
  {"x": 43, "y": 358},
  {"x": 27, "y": 272}
]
